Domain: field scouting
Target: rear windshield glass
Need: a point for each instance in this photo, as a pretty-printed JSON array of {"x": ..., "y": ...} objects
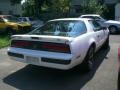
[{"x": 61, "y": 28}]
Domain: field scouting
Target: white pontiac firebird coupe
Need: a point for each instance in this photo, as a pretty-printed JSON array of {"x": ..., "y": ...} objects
[{"x": 60, "y": 43}]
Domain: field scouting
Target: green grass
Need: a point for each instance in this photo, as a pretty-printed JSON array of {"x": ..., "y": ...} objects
[{"x": 4, "y": 41}]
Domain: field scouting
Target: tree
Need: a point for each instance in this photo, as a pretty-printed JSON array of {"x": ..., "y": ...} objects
[
  {"x": 28, "y": 8},
  {"x": 60, "y": 7},
  {"x": 92, "y": 6},
  {"x": 34, "y": 7}
]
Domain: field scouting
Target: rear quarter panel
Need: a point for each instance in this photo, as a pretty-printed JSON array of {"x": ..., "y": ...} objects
[{"x": 80, "y": 46}]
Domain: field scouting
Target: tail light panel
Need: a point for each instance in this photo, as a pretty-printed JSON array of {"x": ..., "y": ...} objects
[{"x": 42, "y": 46}]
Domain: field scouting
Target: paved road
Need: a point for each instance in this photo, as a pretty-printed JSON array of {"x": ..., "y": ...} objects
[{"x": 15, "y": 75}]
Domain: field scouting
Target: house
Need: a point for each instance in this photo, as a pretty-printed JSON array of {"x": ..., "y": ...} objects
[
  {"x": 111, "y": 8},
  {"x": 117, "y": 12},
  {"x": 6, "y": 7}
]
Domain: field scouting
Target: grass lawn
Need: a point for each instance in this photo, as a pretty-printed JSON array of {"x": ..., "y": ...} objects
[{"x": 4, "y": 40}]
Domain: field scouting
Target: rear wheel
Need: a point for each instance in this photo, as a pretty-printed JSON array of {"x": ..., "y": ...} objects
[{"x": 87, "y": 64}]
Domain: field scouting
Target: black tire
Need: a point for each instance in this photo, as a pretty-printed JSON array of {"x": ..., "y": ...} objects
[
  {"x": 106, "y": 44},
  {"x": 113, "y": 29},
  {"x": 87, "y": 64}
]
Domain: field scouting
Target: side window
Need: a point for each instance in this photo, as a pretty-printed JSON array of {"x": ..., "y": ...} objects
[{"x": 96, "y": 26}]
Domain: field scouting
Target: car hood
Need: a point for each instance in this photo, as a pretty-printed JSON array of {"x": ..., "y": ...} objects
[
  {"x": 23, "y": 23},
  {"x": 113, "y": 21},
  {"x": 19, "y": 23}
]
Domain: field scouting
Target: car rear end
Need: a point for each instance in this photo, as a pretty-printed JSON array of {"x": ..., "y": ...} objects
[{"x": 51, "y": 51}]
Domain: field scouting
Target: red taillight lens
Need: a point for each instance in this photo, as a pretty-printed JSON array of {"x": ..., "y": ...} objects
[
  {"x": 19, "y": 44},
  {"x": 42, "y": 46},
  {"x": 56, "y": 47}
]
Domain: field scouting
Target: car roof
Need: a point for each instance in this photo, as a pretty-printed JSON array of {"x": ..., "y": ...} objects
[{"x": 74, "y": 19}]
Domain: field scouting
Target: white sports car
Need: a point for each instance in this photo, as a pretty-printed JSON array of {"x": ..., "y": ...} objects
[
  {"x": 114, "y": 26},
  {"x": 60, "y": 43}
]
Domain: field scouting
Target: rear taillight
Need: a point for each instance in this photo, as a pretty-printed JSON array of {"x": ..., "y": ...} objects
[
  {"x": 19, "y": 44},
  {"x": 56, "y": 47},
  {"x": 41, "y": 46}
]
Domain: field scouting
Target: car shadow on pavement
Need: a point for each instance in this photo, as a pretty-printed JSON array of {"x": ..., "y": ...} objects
[{"x": 39, "y": 78}]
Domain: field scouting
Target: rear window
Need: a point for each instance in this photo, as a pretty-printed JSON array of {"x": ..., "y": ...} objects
[{"x": 62, "y": 28}]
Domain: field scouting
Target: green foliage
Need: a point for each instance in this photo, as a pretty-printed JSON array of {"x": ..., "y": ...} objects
[
  {"x": 36, "y": 7},
  {"x": 4, "y": 41},
  {"x": 29, "y": 8},
  {"x": 93, "y": 7},
  {"x": 60, "y": 5}
]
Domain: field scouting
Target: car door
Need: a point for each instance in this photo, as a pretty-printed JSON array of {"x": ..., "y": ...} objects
[
  {"x": 100, "y": 33},
  {"x": 2, "y": 24}
]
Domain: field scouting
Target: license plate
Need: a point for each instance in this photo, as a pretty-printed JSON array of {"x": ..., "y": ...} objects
[{"x": 32, "y": 60}]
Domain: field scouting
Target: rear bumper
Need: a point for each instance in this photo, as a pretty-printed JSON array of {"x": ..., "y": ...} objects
[{"x": 46, "y": 59}]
